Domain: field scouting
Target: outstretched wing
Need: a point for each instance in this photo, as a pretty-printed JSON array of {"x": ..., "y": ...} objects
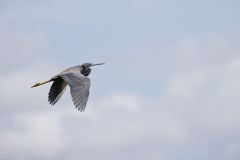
[
  {"x": 56, "y": 91},
  {"x": 79, "y": 88}
]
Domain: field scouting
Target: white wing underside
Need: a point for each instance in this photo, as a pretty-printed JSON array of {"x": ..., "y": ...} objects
[{"x": 79, "y": 88}]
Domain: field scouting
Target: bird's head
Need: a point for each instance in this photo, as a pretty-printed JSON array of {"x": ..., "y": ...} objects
[{"x": 86, "y": 70}]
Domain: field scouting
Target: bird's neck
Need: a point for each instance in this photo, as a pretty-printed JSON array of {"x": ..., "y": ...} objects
[{"x": 86, "y": 71}]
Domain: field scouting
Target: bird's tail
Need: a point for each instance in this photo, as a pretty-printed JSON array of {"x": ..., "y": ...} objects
[{"x": 40, "y": 83}]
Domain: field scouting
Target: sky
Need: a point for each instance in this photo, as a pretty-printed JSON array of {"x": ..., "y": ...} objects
[{"x": 169, "y": 89}]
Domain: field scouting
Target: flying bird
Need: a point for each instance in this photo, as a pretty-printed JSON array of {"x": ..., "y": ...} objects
[{"x": 79, "y": 83}]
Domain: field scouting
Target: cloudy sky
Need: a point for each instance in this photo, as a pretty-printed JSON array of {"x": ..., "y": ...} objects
[{"x": 170, "y": 89}]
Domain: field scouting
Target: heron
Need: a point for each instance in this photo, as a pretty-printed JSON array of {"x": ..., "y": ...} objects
[{"x": 76, "y": 78}]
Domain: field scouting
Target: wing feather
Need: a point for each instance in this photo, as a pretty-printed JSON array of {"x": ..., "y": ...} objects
[
  {"x": 79, "y": 88},
  {"x": 56, "y": 91}
]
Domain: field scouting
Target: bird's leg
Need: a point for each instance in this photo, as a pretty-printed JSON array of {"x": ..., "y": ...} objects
[{"x": 41, "y": 83}]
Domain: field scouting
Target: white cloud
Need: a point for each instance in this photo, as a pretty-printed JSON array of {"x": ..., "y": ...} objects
[
  {"x": 19, "y": 49},
  {"x": 121, "y": 101},
  {"x": 21, "y": 65},
  {"x": 160, "y": 60},
  {"x": 37, "y": 134},
  {"x": 198, "y": 104}
]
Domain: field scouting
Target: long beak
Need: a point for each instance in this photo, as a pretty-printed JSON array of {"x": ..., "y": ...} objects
[{"x": 97, "y": 64}]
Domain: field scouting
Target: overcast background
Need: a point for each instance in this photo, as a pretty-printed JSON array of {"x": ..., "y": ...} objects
[{"x": 170, "y": 89}]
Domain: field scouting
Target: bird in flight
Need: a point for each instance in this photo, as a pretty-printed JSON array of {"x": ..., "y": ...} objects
[{"x": 79, "y": 83}]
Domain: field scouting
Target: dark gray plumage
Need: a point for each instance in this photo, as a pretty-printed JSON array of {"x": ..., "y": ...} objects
[{"x": 76, "y": 78}]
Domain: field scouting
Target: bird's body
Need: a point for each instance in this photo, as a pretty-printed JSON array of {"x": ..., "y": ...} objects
[{"x": 79, "y": 83}]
